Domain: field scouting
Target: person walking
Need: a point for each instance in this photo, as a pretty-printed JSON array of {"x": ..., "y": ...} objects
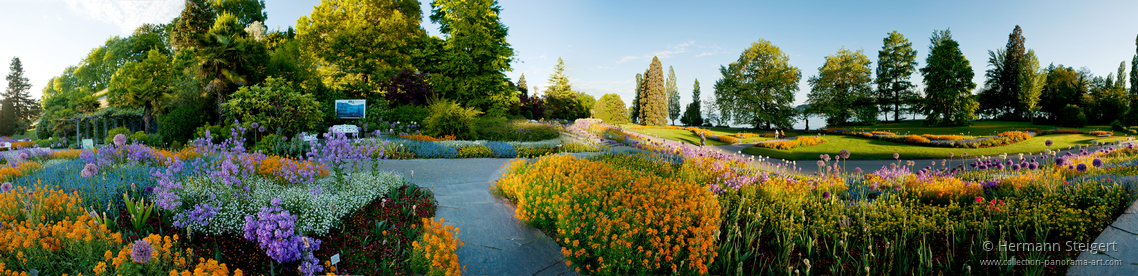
[{"x": 702, "y": 138}]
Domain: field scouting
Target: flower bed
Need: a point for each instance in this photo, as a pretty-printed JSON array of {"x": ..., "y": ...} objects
[
  {"x": 892, "y": 221},
  {"x": 957, "y": 141},
  {"x": 800, "y": 141}
]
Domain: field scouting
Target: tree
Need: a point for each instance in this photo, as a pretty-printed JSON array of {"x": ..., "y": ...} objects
[
  {"x": 1010, "y": 81},
  {"x": 1121, "y": 81},
  {"x": 477, "y": 54},
  {"x": 758, "y": 88},
  {"x": 1132, "y": 117},
  {"x": 896, "y": 63},
  {"x": 989, "y": 97},
  {"x": 142, "y": 84},
  {"x": 1063, "y": 86},
  {"x": 654, "y": 101},
  {"x": 193, "y": 24},
  {"x": 229, "y": 60},
  {"x": 693, "y": 116},
  {"x": 673, "y": 96},
  {"x": 7, "y": 117},
  {"x": 1032, "y": 78},
  {"x": 24, "y": 108},
  {"x": 276, "y": 105},
  {"x": 634, "y": 111},
  {"x": 842, "y": 89},
  {"x": 586, "y": 103},
  {"x": 610, "y": 109},
  {"x": 948, "y": 83},
  {"x": 560, "y": 99},
  {"x": 247, "y": 11},
  {"x": 359, "y": 45}
]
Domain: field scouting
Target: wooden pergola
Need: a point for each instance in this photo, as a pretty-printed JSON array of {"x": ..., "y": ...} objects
[{"x": 110, "y": 117}]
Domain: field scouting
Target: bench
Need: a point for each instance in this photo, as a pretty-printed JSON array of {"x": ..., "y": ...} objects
[{"x": 346, "y": 129}]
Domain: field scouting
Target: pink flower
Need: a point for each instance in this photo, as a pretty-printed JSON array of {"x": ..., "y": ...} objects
[
  {"x": 141, "y": 251},
  {"x": 7, "y": 186},
  {"x": 89, "y": 170},
  {"x": 120, "y": 139}
]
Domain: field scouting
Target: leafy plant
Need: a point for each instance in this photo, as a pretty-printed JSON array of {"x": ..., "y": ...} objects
[{"x": 448, "y": 118}]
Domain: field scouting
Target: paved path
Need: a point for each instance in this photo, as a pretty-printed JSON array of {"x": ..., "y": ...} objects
[
  {"x": 1124, "y": 232},
  {"x": 496, "y": 242}
]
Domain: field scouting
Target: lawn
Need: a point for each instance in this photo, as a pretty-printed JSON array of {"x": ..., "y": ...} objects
[
  {"x": 866, "y": 148},
  {"x": 689, "y": 137},
  {"x": 980, "y": 128}
]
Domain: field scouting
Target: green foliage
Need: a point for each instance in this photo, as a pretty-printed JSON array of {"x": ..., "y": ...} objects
[
  {"x": 245, "y": 11},
  {"x": 139, "y": 137},
  {"x": 180, "y": 123},
  {"x": 758, "y": 88},
  {"x": 693, "y": 116},
  {"x": 673, "y": 95},
  {"x": 408, "y": 113},
  {"x": 1032, "y": 78},
  {"x": 1010, "y": 78},
  {"x": 634, "y": 111},
  {"x": 1073, "y": 116},
  {"x": 610, "y": 109},
  {"x": 449, "y": 118},
  {"x": 229, "y": 59},
  {"x": 1117, "y": 125},
  {"x": 653, "y": 99},
  {"x": 560, "y": 100},
  {"x": 24, "y": 108},
  {"x": 7, "y": 118},
  {"x": 896, "y": 63},
  {"x": 155, "y": 140},
  {"x": 1063, "y": 86},
  {"x": 142, "y": 84},
  {"x": 275, "y": 105},
  {"x": 116, "y": 131},
  {"x": 219, "y": 132},
  {"x": 948, "y": 83},
  {"x": 842, "y": 89},
  {"x": 586, "y": 103},
  {"x": 475, "y": 54},
  {"x": 194, "y": 22}
]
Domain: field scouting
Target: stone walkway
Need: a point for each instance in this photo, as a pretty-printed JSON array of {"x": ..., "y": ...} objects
[
  {"x": 1123, "y": 233},
  {"x": 496, "y": 242}
]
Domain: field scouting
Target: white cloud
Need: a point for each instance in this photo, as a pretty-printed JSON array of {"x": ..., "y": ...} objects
[
  {"x": 704, "y": 54},
  {"x": 671, "y": 50},
  {"x": 127, "y": 15}
]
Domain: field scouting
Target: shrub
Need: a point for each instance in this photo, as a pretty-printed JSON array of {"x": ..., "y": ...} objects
[
  {"x": 728, "y": 139},
  {"x": 495, "y": 129},
  {"x": 180, "y": 123},
  {"x": 942, "y": 137},
  {"x": 218, "y": 132},
  {"x": 138, "y": 137},
  {"x": 116, "y": 131},
  {"x": 1117, "y": 125},
  {"x": 275, "y": 105},
  {"x": 448, "y": 118},
  {"x": 435, "y": 252},
  {"x": 155, "y": 140},
  {"x": 475, "y": 152},
  {"x": 1073, "y": 116},
  {"x": 407, "y": 113},
  {"x": 914, "y": 139}
]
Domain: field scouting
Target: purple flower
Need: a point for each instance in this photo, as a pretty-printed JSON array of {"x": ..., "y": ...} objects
[
  {"x": 1033, "y": 165},
  {"x": 821, "y": 163},
  {"x": 1015, "y": 167},
  {"x": 1097, "y": 162},
  {"x": 826, "y": 195},
  {"x": 1082, "y": 167},
  {"x": 284, "y": 138},
  {"x": 7, "y": 186},
  {"x": 261, "y": 129},
  {"x": 950, "y": 155},
  {"x": 89, "y": 170},
  {"x": 896, "y": 155},
  {"x": 857, "y": 170},
  {"x": 1048, "y": 142},
  {"x": 845, "y": 154},
  {"x": 141, "y": 251},
  {"x": 1060, "y": 161},
  {"x": 120, "y": 139},
  {"x": 254, "y": 125}
]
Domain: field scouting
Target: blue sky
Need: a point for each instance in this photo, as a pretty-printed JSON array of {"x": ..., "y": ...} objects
[{"x": 605, "y": 43}]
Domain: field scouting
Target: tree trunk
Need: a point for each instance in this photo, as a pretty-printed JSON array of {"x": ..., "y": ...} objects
[{"x": 146, "y": 118}]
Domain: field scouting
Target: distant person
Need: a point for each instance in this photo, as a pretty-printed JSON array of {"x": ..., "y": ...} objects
[{"x": 702, "y": 139}]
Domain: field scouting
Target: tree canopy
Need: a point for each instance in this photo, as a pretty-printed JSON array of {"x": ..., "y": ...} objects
[
  {"x": 896, "y": 63},
  {"x": 759, "y": 87},
  {"x": 948, "y": 83},
  {"x": 476, "y": 54},
  {"x": 842, "y": 89},
  {"x": 653, "y": 101}
]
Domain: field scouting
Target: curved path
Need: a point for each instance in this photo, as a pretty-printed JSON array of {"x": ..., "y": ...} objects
[{"x": 496, "y": 242}]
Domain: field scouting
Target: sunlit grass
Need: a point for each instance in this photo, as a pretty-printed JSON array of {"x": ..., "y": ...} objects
[{"x": 866, "y": 148}]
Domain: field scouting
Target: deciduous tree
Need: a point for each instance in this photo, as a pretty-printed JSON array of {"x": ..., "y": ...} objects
[
  {"x": 842, "y": 89},
  {"x": 758, "y": 88},
  {"x": 142, "y": 85},
  {"x": 1032, "y": 78},
  {"x": 611, "y": 110}
]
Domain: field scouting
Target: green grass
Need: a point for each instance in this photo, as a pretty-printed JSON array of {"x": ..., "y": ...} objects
[
  {"x": 981, "y": 128},
  {"x": 866, "y": 148},
  {"x": 689, "y": 137}
]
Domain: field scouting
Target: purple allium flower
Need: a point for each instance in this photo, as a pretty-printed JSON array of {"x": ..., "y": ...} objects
[
  {"x": 857, "y": 170},
  {"x": 120, "y": 139},
  {"x": 826, "y": 195},
  {"x": 1015, "y": 167},
  {"x": 1000, "y": 166},
  {"x": 1033, "y": 165},
  {"x": 89, "y": 170},
  {"x": 261, "y": 129},
  {"x": 148, "y": 190},
  {"x": 896, "y": 155},
  {"x": 950, "y": 154},
  {"x": 1060, "y": 161},
  {"x": 254, "y": 125},
  {"x": 1097, "y": 162},
  {"x": 141, "y": 251},
  {"x": 7, "y": 186},
  {"x": 844, "y": 154},
  {"x": 1048, "y": 143},
  {"x": 1082, "y": 167},
  {"x": 821, "y": 163}
]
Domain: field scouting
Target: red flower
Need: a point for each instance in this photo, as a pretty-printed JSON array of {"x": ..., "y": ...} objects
[{"x": 979, "y": 199}]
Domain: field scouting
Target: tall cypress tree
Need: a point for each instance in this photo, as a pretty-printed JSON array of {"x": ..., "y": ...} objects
[
  {"x": 1010, "y": 77},
  {"x": 1132, "y": 119},
  {"x": 673, "y": 96},
  {"x": 693, "y": 116},
  {"x": 634, "y": 112},
  {"x": 654, "y": 103},
  {"x": 1120, "y": 83}
]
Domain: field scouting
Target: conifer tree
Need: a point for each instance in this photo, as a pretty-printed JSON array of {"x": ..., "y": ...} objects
[
  {"x": 673, "y": 96},
  {"x": 654, "y": 102}
]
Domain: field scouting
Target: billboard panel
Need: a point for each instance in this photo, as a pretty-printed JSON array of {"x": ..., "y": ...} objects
[{"x": 351, "y": 109}]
